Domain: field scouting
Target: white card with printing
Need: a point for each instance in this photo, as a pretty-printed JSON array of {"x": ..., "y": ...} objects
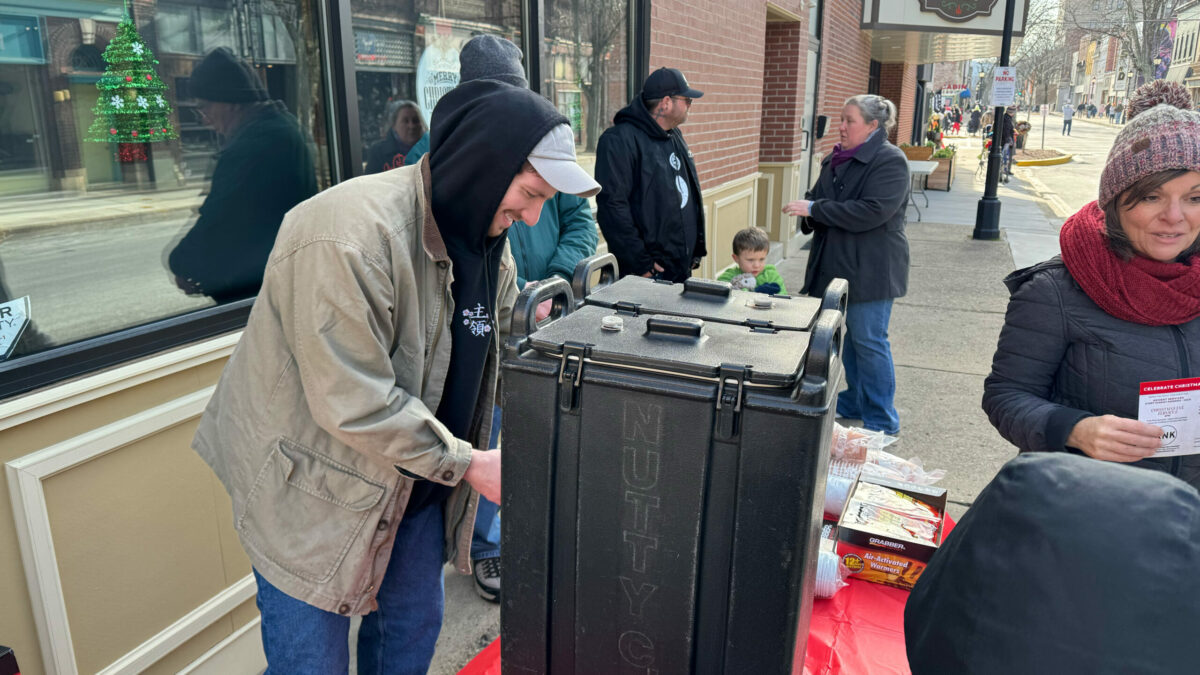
[{"x": 1173, "y": 405}]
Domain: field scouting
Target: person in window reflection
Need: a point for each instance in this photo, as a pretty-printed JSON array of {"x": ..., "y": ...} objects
[
  {"x": 264, "y": 168},
  {"x": 405, "y": 128}
]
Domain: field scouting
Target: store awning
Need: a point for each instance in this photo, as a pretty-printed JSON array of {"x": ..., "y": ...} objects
[
  {"x": 932, "y": 31},
  {"x": 1178, "y": 73}
]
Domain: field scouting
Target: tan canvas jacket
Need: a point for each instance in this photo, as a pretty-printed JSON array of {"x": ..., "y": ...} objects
[{"x": 332, "y": 389}]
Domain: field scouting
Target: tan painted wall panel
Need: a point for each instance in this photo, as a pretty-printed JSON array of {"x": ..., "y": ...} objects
[
  {"x": 137, "y": 542},
  {"x": 194, "y": 648},
  {"x": 16, "y": 622},
  {"x": 233, "y": 556},
  {"x": 726, "y": 218},
  {"x": 244, "y": 613}
]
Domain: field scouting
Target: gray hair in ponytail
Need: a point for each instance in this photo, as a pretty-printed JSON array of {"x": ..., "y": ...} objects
[{"x": 875, "y": 109}]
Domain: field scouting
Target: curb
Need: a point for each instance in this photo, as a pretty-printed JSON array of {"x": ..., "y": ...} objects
[
  {"x": 1053, "y": 161},
  {"x": 101, "y": 221}
]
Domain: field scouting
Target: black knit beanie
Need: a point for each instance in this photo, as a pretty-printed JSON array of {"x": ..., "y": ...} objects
[{"x": 225, "y": 78}]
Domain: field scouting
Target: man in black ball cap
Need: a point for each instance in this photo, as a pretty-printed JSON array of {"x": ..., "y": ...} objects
[
  {"x": 650, "y": 210},
  {"x": 263, "y": 169}
]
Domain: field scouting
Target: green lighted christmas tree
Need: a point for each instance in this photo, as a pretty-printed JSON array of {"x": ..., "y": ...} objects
[{"x": 131, "y": 108}]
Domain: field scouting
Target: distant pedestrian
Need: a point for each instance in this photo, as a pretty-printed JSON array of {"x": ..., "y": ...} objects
[
  {"x": 1119, "y": 307},
  {"x": 1068, "y": 112},
  {"x": 855, "y": 213},
  {"x": 650, "y": 210}
]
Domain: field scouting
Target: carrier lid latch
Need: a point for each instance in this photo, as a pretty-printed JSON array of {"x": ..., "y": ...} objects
[{"x": 729, "y": 400}]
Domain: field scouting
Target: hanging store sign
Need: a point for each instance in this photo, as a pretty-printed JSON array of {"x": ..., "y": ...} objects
[{"x": 959, "y": 10}]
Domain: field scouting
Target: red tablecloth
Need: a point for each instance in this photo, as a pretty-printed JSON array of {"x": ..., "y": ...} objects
[{"x": 860, "y": 631}]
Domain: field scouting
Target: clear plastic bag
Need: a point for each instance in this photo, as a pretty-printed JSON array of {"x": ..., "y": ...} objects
[
  {"x": 883, "y": 464},
  {"x": 853, "y": 444},
  {"x": 831, "y": 573}
]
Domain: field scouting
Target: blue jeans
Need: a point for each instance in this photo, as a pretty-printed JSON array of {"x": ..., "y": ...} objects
[
  {"x": 870, "y": 374},
  {"x": 399, "y": 637},
  {"x": 485, "y": 542}
]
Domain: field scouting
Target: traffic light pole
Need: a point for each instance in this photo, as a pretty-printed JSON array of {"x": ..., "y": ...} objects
[{"x": 987, "y": 215}]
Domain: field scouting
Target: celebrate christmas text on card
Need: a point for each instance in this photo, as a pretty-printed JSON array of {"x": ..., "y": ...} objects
[{"x": 1173, "y": 405}]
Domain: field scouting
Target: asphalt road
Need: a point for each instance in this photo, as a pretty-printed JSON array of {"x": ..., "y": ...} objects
[
  {"x": 1067, "y": 187},
  {"x": 87, "y": 282}
]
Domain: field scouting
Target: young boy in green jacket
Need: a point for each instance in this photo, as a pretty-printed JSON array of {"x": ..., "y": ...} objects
[{"x": 752, "y": 273}]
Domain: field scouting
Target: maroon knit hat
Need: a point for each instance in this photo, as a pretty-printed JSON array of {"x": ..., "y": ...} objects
[{"x": 1163, "y": 132}]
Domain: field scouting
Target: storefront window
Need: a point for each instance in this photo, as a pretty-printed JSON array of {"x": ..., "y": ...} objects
[
  {"x": 407, "y": 51},
  {"x": 135, "y": 183},
  {"x": 587, "y": 69}
]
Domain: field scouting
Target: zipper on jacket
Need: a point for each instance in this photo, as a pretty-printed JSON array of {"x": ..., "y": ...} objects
[
  {"x": 437, "y": 324},
  {"x": 1186, "y": 372}
]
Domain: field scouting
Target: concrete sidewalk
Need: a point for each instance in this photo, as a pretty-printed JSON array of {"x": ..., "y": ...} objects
[
  {"x": 97, "y": 208},
  {"x": 944, "y": 332}
]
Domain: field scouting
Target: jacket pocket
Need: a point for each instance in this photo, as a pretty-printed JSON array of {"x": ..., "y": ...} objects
[{"x": 305, "y": 511}]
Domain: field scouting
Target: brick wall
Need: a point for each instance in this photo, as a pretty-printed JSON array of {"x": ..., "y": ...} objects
[
  {"x": 784, "y": 62},
  {"x": 898, "y": 84},
  {"x": 845, "y": 63},
  {"x": 720, "y": 48}
]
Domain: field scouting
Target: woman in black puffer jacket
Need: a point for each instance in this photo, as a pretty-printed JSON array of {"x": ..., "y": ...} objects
[{"x": 1120, "y": 307}]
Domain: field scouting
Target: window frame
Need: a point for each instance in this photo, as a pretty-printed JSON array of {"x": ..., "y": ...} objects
[{"x": 24, "y": 374}]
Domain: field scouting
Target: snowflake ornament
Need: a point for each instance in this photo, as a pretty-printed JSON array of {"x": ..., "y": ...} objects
[
  {"x": 158, "y": 100},
  {"x": 117, "y": 102},
  {"x": 142, "y": 103},
  {"x": 138, "y": 48}
]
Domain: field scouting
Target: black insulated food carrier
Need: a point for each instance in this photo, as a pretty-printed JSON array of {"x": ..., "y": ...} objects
[{"x": 665, "y": 449}]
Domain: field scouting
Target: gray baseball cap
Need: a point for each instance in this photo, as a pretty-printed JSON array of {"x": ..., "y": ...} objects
[{"x": 554, "y": 159}]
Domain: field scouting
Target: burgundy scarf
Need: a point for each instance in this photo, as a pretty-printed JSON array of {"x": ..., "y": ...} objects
[{"x": 1140, "y": 290}]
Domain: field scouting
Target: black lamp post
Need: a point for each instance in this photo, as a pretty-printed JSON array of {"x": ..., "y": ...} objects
[{"x": 987, "y": 215}]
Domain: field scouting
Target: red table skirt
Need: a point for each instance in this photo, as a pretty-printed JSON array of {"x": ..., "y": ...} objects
[{"x": 860, "y": 631}]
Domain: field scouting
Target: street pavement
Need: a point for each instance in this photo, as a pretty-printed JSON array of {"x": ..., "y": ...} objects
[{"x": 87, "y": 281}]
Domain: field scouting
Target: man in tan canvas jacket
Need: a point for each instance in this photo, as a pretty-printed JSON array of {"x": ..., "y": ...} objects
[{"x": 347, "y": 423}]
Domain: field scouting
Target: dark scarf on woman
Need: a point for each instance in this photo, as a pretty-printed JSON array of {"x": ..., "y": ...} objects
[
  {"x": 840, "y": 156},
  {"x": 1140, "y": 290}
]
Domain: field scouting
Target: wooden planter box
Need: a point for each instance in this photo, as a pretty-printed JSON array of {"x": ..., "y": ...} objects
[
  {"x": 943, "y": 176},
  {"x": 918, "y": 153}
]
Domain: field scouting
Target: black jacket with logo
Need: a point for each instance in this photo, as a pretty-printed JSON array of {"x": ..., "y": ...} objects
[{"x": 639, "y": 209}]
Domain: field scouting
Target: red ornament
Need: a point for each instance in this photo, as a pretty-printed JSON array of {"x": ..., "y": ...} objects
[
  {"x": 164, "y": 130},
  {"x": 113, "y": 132},
  {"x": 147, "y": 77},
  {"x": 129, "y": 78},
  {"x": 135, "y": 134},
  {"x": 151, "y": 132}
]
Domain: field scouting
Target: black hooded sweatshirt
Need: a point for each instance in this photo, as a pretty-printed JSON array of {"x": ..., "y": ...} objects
[
  {"x": 482, "y": 131},
  {"x": 650, "y": 208},
  {"x": 1064, "y": 564}
]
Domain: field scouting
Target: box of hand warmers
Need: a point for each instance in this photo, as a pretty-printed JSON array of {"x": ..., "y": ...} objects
[{"x": 889, "y": 530}]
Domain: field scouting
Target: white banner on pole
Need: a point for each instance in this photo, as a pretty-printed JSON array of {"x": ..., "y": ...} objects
[{"x": 1004, "y": 86}]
